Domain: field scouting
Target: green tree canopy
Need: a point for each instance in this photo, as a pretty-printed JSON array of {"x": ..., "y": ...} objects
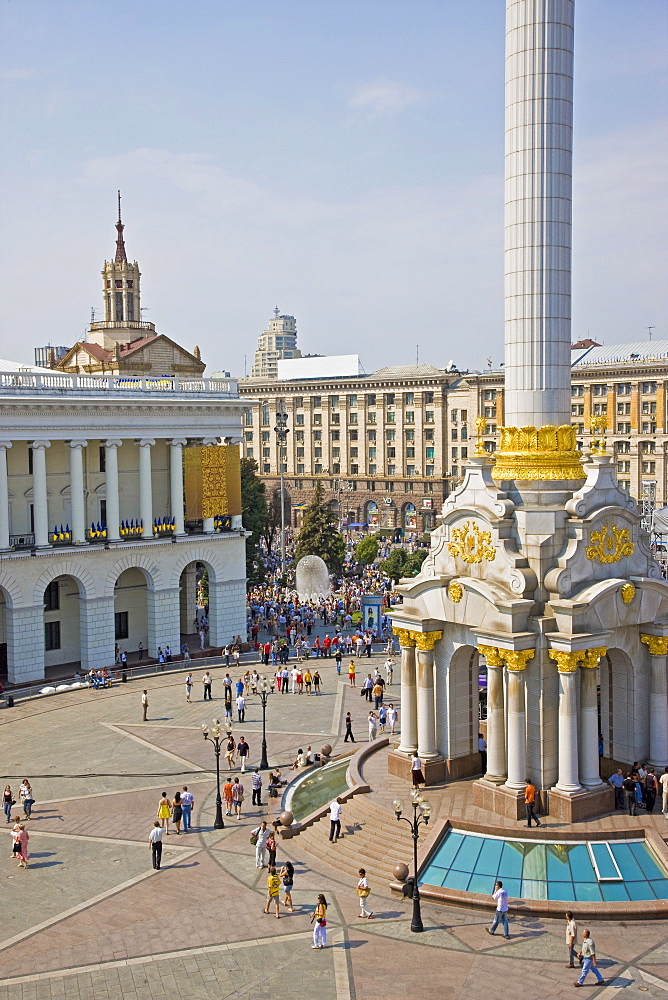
[
  {"x": 254, "y": 517},
  {"x": 319, "y": 536},
  {"x": 366, "y": 550},
  {"x": 402, "y": 563}
]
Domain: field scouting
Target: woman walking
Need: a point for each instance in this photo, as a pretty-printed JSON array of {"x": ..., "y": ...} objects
[
  {"x": 416, "y": 771},
  {"x": 22, "y": 853},
  {"x": 372, "y": 726},
  {"x": 363, "y": 891},
  {"x": 320, "y": 917},
  {"x": 229, "y": 753},
  {"x": 177, "y": 811},
  {"x": 237, "y": 796},
  {"x": 271, "y": 850},
  {"x": 164, "y": 812},
  {"x": 26, "y": 797},
  {"x": 316, "y": 682},
  {"x": 287, "y": 873},
  {"x": 7, "y": 802},
  {"x": 273, "y": 891},
  {"x": 189, "y": 687}
]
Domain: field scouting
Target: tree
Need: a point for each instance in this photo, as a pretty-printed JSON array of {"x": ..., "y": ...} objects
[
  {"x": 366, "y": 550},
  {"x": 400, "y": 563},
  {"x": 414, "y": 562},
  {"x": 319, "y": 536},
  {"x": 272, "y": 527},
  {"x": 254, "y": 517}
]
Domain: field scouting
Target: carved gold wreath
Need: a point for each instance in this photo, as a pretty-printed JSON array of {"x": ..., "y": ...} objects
[
  {"x": 471, "y": 544},
  {"x": 609, "y": 544}
]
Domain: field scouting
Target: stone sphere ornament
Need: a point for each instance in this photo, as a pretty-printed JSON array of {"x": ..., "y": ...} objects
[
  {"x": 286, "y": 818},
  {"x": 400, "y": 872},
  {"x": 326, "y": 750},
  {"x": 312, "y": 578}
]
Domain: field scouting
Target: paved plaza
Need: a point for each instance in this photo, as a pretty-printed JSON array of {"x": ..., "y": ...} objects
[{"x": 91, "y": 919}]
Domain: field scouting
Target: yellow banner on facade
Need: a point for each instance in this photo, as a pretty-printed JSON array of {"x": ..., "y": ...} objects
[{"x": 212, "y": 480}]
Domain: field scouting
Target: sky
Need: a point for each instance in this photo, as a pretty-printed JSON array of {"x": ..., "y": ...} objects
[{"x": 341, "y": 160}]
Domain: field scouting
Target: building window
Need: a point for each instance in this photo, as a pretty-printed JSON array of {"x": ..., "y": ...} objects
[
  {"x": 248, "y": 435},
  {"x": 102, "y": 452},
  {"x": 649, "y": 387},
  {"x": 624, "y": 447},
  {"x": 372, "y": 472},
  {"x": 490, "y": 394},
  {"x": 30, "y": 465},
  {"x": 465, "y": 434},
  {"x": 335, "y": 418},
  {"x": 52, "y": 599},
  {"x": 410, "y": 470},
  {"x": 454, "y": 471},
  {"x": 600, "y": 390},
  {"x": 390, "y": 435},
  {"x": 409, "y": 398},
  {"x": 336, "y": 468},
  {"x": 51, "y": 635},
  {"x": 300, "y": 472},
  {"x": 266, "y": 416},
  {"x": 410, "y": 435},
  {"x": 623, "y": 428},
  {"x": 371, "y": 435},
  {"x": 334, "y": 402},
  {"x": 389, "y": 399},
  {"x": 119, "y": 306},
  {"x": 299, "y": 419},
  {"x": 352, "y": 418},
  {"x": 299, "y": 435},
  {"x": 371, "y": 418},
  {"x": 649, "y": 467},
  {"x": 389, "y": 487},
  {"x": 648, "y": 427},
  {"x": 352, "y": 400},
  {"x": 371, "y": 399},
  {"x": 372, "y": 452},
  {"x": 316, "y": 401},
  {"x": 409, "y": 416},
  {"x": 454, "y": 434},
  {"x": 429, "y": 434},
  {"x": 317, "y": 452},
  {"x": 391, "y": 453},
  {"x": 352, "y": 435},
  {"x": 623, "y": 466},
  {"x": 410, "y": 452},
  {"x": 300, "y": 453},
  {"x": 265, "y": 436},
  {"x": 336, "y": 453},
  {"x": 577, "y": 409},
  {"x": 429, "y": 416},
  {"x": 354, "y": 470},
  {"x": 266, "y": 468},
  {"x": 648, "y": 407},
  {"x": 624, "y": 409},
  {"x": 266, "y": 452},
  {"x": 454, "y": 416},
  {"x": 248, "y": 417},
  {"x": 336, "y": 435},
  {"x": 121, "y": 630},
  {"x": 490, "y": 446},
  {"x": 490, "y": 411},
  {"x": 648, "y": 447},
  {"x": 625, "y": 485},
  {"x": 623, "y": 389},
  {"x": 318, "y": 469},
  {"x": 317, "y": 419},
  {"x": 390, "y": 417},
  {"x": 455, "y": 454},
  {"x": 429, "y": 471},
  {"x": 317, "y": 435},
  {"x": 577, "y": 390},
  {"x": 429, "y": 452},
  {"x": 465, "y": 453},
  {"x": 428, "y": 397},
  {"x": 299, "y": 400},
  {"x": 354, "y": 452}
]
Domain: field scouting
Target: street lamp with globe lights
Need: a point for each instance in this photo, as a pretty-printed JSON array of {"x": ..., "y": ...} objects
[
  {"x": 265, "y": 689},
  {"x": 214, "y": 734},
  {"x": 421, "y": 814}
]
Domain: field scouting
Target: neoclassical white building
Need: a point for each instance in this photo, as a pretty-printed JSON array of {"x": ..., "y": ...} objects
[{"x": 78, "y": 452}]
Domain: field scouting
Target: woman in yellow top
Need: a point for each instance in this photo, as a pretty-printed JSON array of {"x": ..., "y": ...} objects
[
  {"x": 351, "y": 674},
  {"x": 273, "y": 890},
  {"x": 320, "y": 917},
  {"x": 164, "y": 812},
  {"x": 308, "y": 680}
]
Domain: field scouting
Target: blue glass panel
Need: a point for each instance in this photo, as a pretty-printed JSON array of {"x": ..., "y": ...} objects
[
  {"x": 646, "y": 861},
  {"x": 513, "y": 887},
  {"x": 535, "y": 866},
  {"x": 489, "y": 857},
  {"x": 433, "y": 875},
  {"x": 534, "y": 889},
  {"x": 447, "y": 850},
  {"x": 639, "y": 890},
  {"x": 558, "y": 867},
  {"x": 561, "y": 890},
  {"x": 483, "y": 884},
  {"x": 629, "y": 867},
  {"x": 511, "y": 862},
  {"x": 606, "y": 867},
  {"x": 614, "y": 892},
  {"x": 581, "y": 865},
  {"x": 660, "y": 887},
  {"x": 587, "y": 892},
  {"x": 456, "y": 880},
  {"x": 467, "y": 855}
]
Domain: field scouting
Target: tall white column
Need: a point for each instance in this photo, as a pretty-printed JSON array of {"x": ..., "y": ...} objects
[
  {"x": 4, "y": 496},
  {"x": 113, "y": 497},
  {"x": 39, "y": 494},
  {"x": 77, "y": 491},
  {"x": 567, "y": 665},
  {"x": 145, "y": 487},
  {"x": 496, "y": 725},
  {"x": 539, "y": 117},
  {"x": 426, "y": 708},
  {"x": 590, "y": 775},
  {"x": 408, "y": 720},
  {"x": 658, "y": 699},
  {"x": 517, "y": 723},
  {"x": 176, "y": 447}
]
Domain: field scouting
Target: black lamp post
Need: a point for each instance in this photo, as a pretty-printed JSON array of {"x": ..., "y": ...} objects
[
  {"x": 421, "y": 814},
  {"x": 214, "y": 734},
  {"x": 264, "y": 694}
]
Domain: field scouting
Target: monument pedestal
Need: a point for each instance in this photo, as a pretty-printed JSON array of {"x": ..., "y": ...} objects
[
  {"x": 499, "y": 799},
  {"x": 581, "y": 806}
]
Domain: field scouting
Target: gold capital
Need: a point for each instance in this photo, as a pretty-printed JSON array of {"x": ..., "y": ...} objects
[
  {"x": 405, "y": 636},
  {"x": 492, "y": 655},
  {"x": 592, "y": 656},
  {"x": 567, "y": 663},
  {"x": 538, "y": 453},
  {"x": 517, "y": 660},
  {"x": 657, "y": 644},
  {"x": 426, "y": 640}
]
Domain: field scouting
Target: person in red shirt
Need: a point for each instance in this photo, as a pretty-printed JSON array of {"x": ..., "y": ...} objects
[
  {"x": 327, "y": 645},
  {"x": 266, "y": 650},
  {"x": 529, "y": 802}
]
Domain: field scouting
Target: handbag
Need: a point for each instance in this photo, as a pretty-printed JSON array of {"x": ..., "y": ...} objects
[
  {"x": 253, "y": 839},
  {"x": 363, "y": 893}
]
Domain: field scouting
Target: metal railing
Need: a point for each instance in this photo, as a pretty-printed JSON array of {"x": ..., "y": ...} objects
[{"x": 12, "y": 382}]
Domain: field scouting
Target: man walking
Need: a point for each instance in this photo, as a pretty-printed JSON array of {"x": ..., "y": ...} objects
[
  {"x": 651, "y": 789},
  {"x": 588, "y": 956},
  {"x": 187, "y": 803},
  {"x": 501, "y": 915},
  {"x": 242, "y": 752},
  {"x": 529, "y": 802},
  {"x": 630, "y": 793},
  {"x": 617, "y": 782},
  {"x": 241, "y": 707},
  {"x": 207, "y": 681},
  {"x": 144, "y": 702},
  {"x": 349, "y": 729},
  {"x": 256, "y": 785},
  {"x": 335, "y": 811},
  {"x": 155, "y": 843},
  {"x": 571, "y": 938},
  {"x": 262, "y": 834}
]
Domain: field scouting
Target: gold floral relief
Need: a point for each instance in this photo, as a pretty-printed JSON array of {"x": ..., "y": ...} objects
[
  {"x": 657, "y": 644},
  {"x": 538, "y": 453},
  {"x": 426, "y": 640},
  {"x": 472, "y": 544},
  {"x": 609, "y": 544},
  {"x": 455, "y": 592},
  {"x": 628, "y": 592},
  {"x": 405, "y": 636}
]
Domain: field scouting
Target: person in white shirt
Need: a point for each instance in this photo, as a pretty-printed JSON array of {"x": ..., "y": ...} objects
[
  {"x": 241, "y": 708},
  {"x": 373, "y": 725},
  {"x": 363, "y": 893},
  {"x": 663, "y": 782},
  {"x": 262, "y": 833},
  {"x": 391, "y": 718},
  {"x": 293, "y": 674},
  {"x": 155, "y": 843},
  {"x": 389, "y": 667},
  {"x": 335, "y": 811},
  {"x": 501, "y": 915}
]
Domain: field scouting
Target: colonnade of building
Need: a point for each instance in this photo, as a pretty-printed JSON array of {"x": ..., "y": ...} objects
[{"x": 578, "y": 710}]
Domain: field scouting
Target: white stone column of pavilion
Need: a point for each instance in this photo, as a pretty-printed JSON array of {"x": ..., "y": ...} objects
[
  {"x": 4, "y": 495},
  {"x": 496, "y": 724},
  {"x": 589, "y": 760},
  {"x": 426, "y": 708},
  {"x": 516, "y": 662},
  {"x": 39, "y": 493},
  {"x": 111, "y": 447},
  {"x": 176, "y": 446},
  {"x": 567, "y": 665},
  {"x": 207, "y": 522},
  {"x": 77, "y": 500},
  {"x": 409, "y": 730},
  {"x": 145, "y": 487},
  {"x": 658, "y": 699}
]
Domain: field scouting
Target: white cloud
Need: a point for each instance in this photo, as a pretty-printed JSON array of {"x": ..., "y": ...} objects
[{"x": 384, "y": 97}]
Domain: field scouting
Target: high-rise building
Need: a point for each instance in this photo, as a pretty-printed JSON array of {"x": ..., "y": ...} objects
[
  {"x": 277, "y": 342},
  {"x": 47, "y": 356}
]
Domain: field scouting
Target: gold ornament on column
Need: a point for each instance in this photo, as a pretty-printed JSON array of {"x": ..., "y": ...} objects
[
  {"x": 598, "y": 424},
  {"x": 567, "y": 663},
  {"x": 405, "y": 636},
  {"x": 537, "y": 453},
  {"x": 517, "y": 660},
  {"x": 492, "y": 655},
  {"x": 628, "y": 592},
  {"x": 657, "y": 644},
  {"x": 426, "y": 640},
  {"x": 480, "y": 424},
  {"x": 455, "y": 592},
  {"x": 592, "y": 656},
  {"x": 609, "y": 544},
  {"x": 471, "y": 544}
]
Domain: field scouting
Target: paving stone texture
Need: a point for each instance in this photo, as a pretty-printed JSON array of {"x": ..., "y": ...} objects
[{"x": 90, "y": 919}]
